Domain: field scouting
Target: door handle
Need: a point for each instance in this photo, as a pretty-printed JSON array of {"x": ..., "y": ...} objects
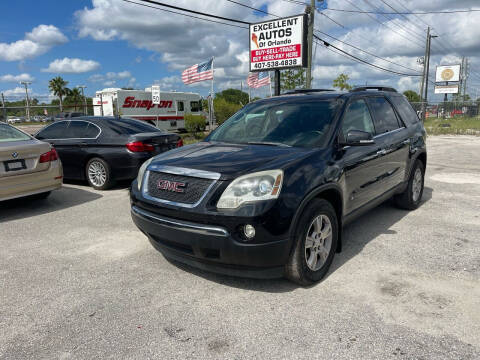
[
  {"x": 406, "y": 142},
  {"x": 382, "y": 152}
]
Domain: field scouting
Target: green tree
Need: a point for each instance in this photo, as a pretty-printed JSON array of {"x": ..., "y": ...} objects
[
  {"x": 58, "y": 87},
  {"x": 74, "y": 97},
  {"x": 234, "y": 96},
  {"x": 292, "y": 79},
  {"x": 341, "y": 82},
  {"x": 224, "y": 109},
  {"x": 412, "y": 96},
  {"x": 194, "y": 124}
]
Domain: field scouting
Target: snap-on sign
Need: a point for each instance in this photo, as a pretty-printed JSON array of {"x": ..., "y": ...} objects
[
  {"x": 130, "y": 102},
  {"x": 278, "y": 44}
]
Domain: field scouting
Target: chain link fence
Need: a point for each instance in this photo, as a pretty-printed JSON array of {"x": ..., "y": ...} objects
[{"x": 449, "y": 109}]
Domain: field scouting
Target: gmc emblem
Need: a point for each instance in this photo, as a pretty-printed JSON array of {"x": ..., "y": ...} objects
[{"x": 171, "y": 186}]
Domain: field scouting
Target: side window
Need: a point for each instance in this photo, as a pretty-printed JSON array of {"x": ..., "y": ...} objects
[
  {"x": 194, "y": 106},
  {"x": 357, "y": 117},
  {"x": 384, "y": 116},
  {"x": 92, "y": 131},
  {"x": 180, "y": 106},
  {"x": 54, "y": 131},
  {"x": 408, "y": 115},
  {"x": 76, "y": 130}
]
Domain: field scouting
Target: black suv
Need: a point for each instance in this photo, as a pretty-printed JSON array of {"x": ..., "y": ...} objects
[{"x": 267, "y": 193}]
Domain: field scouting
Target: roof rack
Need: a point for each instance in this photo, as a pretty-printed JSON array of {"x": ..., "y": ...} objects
[
  {"x": 379, "y": 88},
  {"x": 304, "y": 91}
]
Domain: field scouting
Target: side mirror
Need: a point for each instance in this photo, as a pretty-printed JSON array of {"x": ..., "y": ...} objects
[{"x": 358, "y": 138}]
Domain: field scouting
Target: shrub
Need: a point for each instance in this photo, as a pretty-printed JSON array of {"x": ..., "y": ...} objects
[
  {"x": 224, "y": 109},
  {"x": 194, "y": 124}
]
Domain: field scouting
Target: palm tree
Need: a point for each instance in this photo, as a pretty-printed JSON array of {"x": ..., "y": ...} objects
[
  {"x": 58, "y": 87},
  {"x": 74, "y": 97}
]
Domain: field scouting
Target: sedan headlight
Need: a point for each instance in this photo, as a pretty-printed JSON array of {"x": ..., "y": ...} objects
[
  {"x": 259, "y": 186},
  {"x": 141, "y": 172}
]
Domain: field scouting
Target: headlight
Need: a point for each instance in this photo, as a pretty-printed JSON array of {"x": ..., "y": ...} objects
[
  {"x": 263, "y": 185},
  {"x": 141, "y": 172}
]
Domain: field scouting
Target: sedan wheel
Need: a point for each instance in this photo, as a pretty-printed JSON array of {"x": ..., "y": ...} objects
[{"x": 98, "y": 174}]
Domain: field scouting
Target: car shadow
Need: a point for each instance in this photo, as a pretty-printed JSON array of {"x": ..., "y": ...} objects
[
  {"x": 31, "y": 206},
  {"x": 356, "y": 236},
  {"x": 121, "y": 184}
]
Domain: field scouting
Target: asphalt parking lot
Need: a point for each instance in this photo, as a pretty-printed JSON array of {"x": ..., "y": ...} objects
[{"x": 79, "y": 281}]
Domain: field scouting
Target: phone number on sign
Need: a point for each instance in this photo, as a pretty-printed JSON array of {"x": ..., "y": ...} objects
[{"x": 274, "y": 64}]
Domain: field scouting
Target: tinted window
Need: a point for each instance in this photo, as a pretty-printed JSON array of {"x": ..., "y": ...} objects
[
  {"x": 92, "y": 131},
  {"x": 76, "y": 114},
  {"x": 9, "y": 133},
  {"x": 130, "y": 126},
  {"x": 357, "y": 117},
  {"x": 384, "y": 116},
  {"x": 408, "y": 115},
  {"x": 194, "y": 106},
  {"x": 303, "y": 124},
  {"x": 76, "y": 129},
  {"x": 180, "y": 106},
  {"x": 54, "y": 131}
]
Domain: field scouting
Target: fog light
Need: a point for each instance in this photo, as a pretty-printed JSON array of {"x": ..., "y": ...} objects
[{"x": 249, "y": 231}]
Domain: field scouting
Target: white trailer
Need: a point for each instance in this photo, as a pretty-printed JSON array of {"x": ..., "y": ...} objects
[{"x": 138, "y": 104}]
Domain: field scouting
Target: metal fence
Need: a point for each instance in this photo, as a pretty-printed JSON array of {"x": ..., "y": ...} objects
[{"x": 449, "y": 109}]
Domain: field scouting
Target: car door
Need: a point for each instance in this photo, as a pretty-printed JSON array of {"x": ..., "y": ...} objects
[
  {"x": 393, "y": 138},
  {"x": 362, "y": 165}
]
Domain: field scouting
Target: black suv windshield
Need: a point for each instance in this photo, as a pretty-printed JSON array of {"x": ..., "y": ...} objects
[{"x": 298, "y": 123}]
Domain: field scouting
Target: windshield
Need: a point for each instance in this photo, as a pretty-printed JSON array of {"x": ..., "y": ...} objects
[
  {"x": 303, "y": 124},
  {"x": 9, "y": 133}
]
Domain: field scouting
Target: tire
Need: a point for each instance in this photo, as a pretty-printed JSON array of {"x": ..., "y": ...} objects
[
  {"x": 98, "y": 173},
  {"x": 300, "y": 267},
  {"x": 411, "y": 198}
]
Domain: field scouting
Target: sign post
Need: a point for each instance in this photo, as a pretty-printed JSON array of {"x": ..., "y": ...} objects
[
  {"x": 278, "y": 44},
  {"x": 444, "y": 75},
  {"x": 156, "y": 99}
]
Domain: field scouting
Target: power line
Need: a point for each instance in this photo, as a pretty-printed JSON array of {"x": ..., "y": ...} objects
[
  {"x": 406, "y": 13},
  {"x": 327, "y": 44},
  {"x": 366, "y": 52},
  {"x": 250, "y": 7},
  {"x": 192, "y": 11}
]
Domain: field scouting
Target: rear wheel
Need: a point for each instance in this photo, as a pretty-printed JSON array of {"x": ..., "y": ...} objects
[
  {"x": 99, "y": 175},
  {"x": 315, "y": 244},
  {"x": 412, "y": 196}
]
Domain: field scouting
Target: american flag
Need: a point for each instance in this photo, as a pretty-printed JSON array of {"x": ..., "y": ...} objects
[
  {"x": 258, "y": 79},
  {"x": 198, "y": 72}
]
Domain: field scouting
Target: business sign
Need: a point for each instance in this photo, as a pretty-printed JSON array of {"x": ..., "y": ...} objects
[
  {"x": 105, "y": 102},
  {"x": 278, "y": 44},
  {"x": 156, "y": 94},
  {"x": 447, "y": 73},
  {"x": 446, "y": 89}
]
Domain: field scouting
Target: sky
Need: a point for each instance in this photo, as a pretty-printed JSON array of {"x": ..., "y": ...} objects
[{"x": 115, "y": 43}]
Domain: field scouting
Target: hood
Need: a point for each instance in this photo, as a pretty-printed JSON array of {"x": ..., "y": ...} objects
[{"x": 231, "y": 160}]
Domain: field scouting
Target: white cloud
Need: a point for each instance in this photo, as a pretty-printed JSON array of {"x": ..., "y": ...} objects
[
  {"x": 16, "y": 78},
  {"x": 37, "y": 42},
  {"x": 71, "y": 66},
  {"x": 110, "y": 78},
  {"x": 17, "y": 91}
]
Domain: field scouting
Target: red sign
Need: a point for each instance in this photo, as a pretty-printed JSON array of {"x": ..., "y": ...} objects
[
  {"x": 276, "y": 53},
  {"x": 130, "y": 102}
]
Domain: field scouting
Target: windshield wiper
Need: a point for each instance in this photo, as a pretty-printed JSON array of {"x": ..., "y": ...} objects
[{"x": 269, "y": 143}]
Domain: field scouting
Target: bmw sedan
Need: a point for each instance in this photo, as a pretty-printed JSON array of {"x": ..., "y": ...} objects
[
  {"x": 27, "y": 166},
  {"x": 103, "y": 150}
]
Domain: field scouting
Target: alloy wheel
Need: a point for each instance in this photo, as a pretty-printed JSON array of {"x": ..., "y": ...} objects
[
  {"x": 97, "y": 174},
  {"x": 417, "y": 185},
  {"x": 318, "y": 242}
]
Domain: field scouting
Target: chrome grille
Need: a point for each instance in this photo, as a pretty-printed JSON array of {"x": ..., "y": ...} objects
[{"x": 195, "y": 187}]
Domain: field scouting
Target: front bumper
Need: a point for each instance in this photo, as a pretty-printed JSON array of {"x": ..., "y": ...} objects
[{"x": 211, "y": 247}]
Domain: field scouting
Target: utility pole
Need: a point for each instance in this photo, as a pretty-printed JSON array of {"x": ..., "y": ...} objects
[
  {"x": 26, "y": 83},
  {"x": 422, "y": 84},
  {"x": 311, "y": 22},
  {"x": 84, "y": 100},
  {"x": 4, "y": 109},
  {"x": 465, "y": 78},
  {"x": 427, "y": 70}
]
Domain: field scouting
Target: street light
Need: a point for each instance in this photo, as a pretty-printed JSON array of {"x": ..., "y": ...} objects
[{"x": 26, "y": 83}]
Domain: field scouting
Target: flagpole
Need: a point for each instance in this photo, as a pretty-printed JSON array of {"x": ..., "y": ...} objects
[
  {"x": 211, "y": 96},
  {"x": 270, "y": 83}
]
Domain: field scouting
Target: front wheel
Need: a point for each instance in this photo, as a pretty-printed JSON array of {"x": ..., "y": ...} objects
[
  {"x": 99, "y": 175},
  {"x": 315, "y": 244}
]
